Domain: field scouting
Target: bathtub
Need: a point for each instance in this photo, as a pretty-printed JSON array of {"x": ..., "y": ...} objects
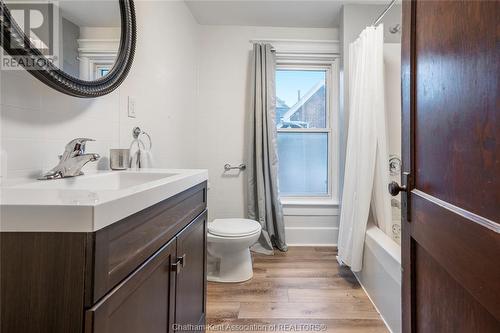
[{"x": 381, "y": 275}]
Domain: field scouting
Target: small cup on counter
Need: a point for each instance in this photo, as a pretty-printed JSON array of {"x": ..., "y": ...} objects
[{"x": 119, "y": 159}]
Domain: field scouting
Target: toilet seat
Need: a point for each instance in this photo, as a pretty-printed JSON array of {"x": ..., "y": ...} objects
[{"x": 233, "y": 227}]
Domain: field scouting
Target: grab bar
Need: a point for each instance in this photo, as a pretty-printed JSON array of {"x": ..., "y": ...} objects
[{"x": 240, "y": 167}]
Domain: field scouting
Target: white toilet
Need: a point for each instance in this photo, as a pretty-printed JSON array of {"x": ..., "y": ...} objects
[{"x": 229, "y": 257}]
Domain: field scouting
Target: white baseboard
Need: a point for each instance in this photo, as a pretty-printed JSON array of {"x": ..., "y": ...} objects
[
  {"x": 311, "y": 245},
  {"x": 311, "y": 236}
]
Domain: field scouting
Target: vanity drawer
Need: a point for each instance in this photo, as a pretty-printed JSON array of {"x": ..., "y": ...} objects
[
  {"x": 143, "y": 302},
  {"x": 123, "y": 246}
]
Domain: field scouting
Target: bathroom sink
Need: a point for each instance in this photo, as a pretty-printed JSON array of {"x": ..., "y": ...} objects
[
  {"x": 89, "y": 202},
  {"x": 98, "y": 182}
]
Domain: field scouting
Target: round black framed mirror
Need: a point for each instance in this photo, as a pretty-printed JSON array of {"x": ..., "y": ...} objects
[{"x": 81, "y": 48}]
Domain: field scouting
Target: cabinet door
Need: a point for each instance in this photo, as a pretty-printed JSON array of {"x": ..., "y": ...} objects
[
  {"x": 123, "y": 246},
  {"x": 191, "y": 280},
  {"x": 143, "y": 302}
]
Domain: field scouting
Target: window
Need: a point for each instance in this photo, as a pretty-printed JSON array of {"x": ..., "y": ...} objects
[
  {"x": 303, "y": 119},
  {"x": 101, "y": 70}
]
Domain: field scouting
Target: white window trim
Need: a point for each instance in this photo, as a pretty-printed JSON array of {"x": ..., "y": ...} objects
[
  {"x": 94, "y": 53},
  {"x": 97, "y": 66},
  {"x": 330, "y": 63}
]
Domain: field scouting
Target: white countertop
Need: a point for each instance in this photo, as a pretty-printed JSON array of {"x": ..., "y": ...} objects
[{"x": 90, "y": 202}]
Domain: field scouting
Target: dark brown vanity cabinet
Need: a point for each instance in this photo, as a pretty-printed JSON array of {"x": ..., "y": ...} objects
[
  {"x": 167, "y": 290},
  {"x": 146, "y": 273}
]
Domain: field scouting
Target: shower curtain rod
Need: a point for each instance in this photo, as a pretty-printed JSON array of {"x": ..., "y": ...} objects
[{"x": 377, "y": 21}]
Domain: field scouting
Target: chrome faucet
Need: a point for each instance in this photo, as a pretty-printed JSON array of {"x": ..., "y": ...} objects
[{"x": 72, "y": 160}]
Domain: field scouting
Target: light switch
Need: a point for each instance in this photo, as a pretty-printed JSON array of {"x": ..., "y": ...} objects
[{"x": 132, "y": 107}]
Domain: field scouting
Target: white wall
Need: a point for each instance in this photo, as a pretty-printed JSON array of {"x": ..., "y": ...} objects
[
  {"x": 99, "y": 33},
  {"x": 224, "y": 85},
  {"x": 191, "y": 93},
  {"x": 36, "y": 121}
]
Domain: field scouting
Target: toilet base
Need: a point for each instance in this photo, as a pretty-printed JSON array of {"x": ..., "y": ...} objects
[{"x": 233, "y": 267}]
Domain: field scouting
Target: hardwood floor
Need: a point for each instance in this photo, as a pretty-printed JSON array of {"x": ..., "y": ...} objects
[{"x": 304, "y": 286}]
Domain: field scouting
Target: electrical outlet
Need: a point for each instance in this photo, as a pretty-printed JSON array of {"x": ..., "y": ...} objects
[{"x": 132, "y": 107}]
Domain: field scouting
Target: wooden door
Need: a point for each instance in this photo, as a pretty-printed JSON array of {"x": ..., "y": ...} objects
[
  {"x": 143, "y": 302},
  {"x": 451, "y": 150},
  {"x": 191, "y": 280}
]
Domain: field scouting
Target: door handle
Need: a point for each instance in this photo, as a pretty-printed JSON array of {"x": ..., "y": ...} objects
[
  {"x": 182, "y": 260},
  {"x": 395, "y": 188},
  {"x": 176, "y": 267},
  {"x": 179, "y": 264}
]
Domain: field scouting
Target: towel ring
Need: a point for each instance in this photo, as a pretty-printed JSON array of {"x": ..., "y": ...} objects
[
  {"x": 136, "y": 132},
  {"x": 139, "y": 143}
]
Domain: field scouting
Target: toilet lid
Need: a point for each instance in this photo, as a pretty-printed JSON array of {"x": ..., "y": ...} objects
[{"x": 233, "y": 227}]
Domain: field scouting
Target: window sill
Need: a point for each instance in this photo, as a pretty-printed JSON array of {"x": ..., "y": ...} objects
[{"x": 310, "y": 207}]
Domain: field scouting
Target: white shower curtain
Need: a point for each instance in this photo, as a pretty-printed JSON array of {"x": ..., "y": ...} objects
[{"x": 367, "y": 161}]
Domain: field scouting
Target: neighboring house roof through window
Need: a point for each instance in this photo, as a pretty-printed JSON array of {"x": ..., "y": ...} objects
[{"x": 289, "y": 114}]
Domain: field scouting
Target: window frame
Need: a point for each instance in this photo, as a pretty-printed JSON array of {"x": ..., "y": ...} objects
[
  {"x": 98, "y": 66},
  {"x": 332, "y": 119}
]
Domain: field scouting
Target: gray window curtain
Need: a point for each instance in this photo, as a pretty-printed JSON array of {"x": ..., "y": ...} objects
[{"x": 263, "y": 200}]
